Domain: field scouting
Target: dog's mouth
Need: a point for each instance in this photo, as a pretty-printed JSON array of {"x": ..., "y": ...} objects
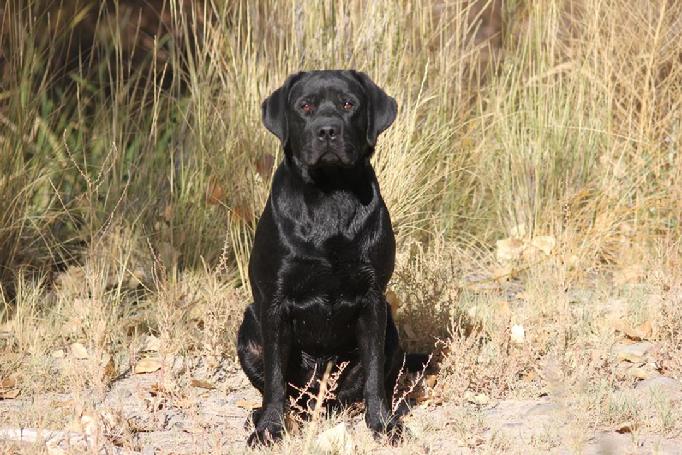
[
  {"x": 329, "y": 158},
  {"x": 332, "y": 157}
]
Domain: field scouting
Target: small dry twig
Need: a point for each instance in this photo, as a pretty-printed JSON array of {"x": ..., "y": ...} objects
[{"x": 410, "y": 389}]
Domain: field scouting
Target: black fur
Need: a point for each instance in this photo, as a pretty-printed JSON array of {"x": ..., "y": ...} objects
[{"x": 323, "y": 254}]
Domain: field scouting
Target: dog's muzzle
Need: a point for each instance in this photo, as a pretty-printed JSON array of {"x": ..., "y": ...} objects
[{"x": 327, "y": 144}]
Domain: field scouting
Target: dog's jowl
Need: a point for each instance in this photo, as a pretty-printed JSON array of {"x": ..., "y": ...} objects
[{"x": 323, "y": 254}]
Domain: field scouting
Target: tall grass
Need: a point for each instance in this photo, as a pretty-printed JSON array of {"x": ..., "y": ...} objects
[{"x": 567, "y": 120}]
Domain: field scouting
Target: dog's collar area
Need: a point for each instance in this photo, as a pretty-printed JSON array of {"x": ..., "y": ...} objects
[{"x": 329, "y": 178}]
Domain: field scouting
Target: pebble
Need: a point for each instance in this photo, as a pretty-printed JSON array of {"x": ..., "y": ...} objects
[
  {"x": 662, "y": 383},
  {"x": 634, "y": 353}
]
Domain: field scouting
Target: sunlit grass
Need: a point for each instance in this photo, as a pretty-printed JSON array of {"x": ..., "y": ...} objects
[{"x": 132, "y": 173}]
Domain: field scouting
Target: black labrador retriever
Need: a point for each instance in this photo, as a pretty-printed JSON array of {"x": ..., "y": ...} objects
[{"x": 323, "y": 253}]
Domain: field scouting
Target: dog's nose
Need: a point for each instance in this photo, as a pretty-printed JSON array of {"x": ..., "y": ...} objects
[{"x": 327, "y": 133}]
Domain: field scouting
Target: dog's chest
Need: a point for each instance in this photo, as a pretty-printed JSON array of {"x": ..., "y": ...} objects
[
  {"x": 332, "y": 226},
  {"x": 324, "y": 299}
]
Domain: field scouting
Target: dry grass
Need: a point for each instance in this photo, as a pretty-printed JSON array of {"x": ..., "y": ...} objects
[{"x": 129, "y": 191}]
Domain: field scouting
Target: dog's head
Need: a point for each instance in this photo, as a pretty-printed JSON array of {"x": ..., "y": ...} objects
[{"x": 328, "y": 118}]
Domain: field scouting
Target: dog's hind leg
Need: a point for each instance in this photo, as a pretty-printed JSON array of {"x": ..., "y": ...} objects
[
  {"x": 250, "y": 349},
  {"x": 350, "y": 386}
]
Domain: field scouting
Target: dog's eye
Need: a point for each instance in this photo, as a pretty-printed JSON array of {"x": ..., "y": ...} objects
[
  {"x": 347, "y": 105},
  {"x": 307, "y": 108}
]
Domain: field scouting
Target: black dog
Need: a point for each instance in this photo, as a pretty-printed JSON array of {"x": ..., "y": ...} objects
[{"x": 323, "y": 253}]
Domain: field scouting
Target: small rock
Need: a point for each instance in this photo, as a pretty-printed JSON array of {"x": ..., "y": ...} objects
[
  {"x": 336, "y": 440},
  {"x": 662, "y": 383},
  {"x": 518, "y": 334},
  {"x": 480, "y": 399},
  {"x": 633, "y": 353}
]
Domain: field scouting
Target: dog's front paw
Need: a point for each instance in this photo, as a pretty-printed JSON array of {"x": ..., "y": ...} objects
[
  {"x": 253, "y": 418},
  {"x": 384, "y": 424},
  {"x": 268, "y": 429}
]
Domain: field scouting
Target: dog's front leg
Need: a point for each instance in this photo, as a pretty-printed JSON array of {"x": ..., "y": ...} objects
[
  {"x": 371, "y": 333},
  {"x": 276, "y": 332}
]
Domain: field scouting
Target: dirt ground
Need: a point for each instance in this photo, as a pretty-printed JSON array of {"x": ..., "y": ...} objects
[{"x": 168, "y": 412}]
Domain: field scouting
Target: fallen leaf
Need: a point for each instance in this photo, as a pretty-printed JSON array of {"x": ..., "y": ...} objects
[
  {"x": 393, "y": 301},
  {"x": 197, "y": 312},
  {"x": 264, "y": 165},
  {"x": 167, "y": 213},
  {"x": 248, "y": 405},
  {"x": 291, "y": 423},
  {"x": 108, "y": 367},
  {"x": 627, "y": 427},
  {"x": 518, "y": 334},
  {"x": 147, "y": 365},
  {"x": 157, "y": 389},
  {"x": 8, "y": 388},
  {"x": 642, "y": 372},
  {"x": 639, "y": 333},
  {"x": 434, "y": 400},
  {"x": 633, "y": 353},
  {"x": 215, "y": 194},
  {"x": 642, "y": 331},
  {"x": 8, "y": 383},
  {"x": 9, "y": 394},
  {"x": 242, "y": 210},
  {"x": 78, "y": 351},
  {"x": 136, "y": 278},
  {"x": 509, "y": 249},
  {"x": 530, "y": 376},
  {"x": 431, "y": 380},
  {"x": 201, "y": 384},
  {"x": 150, "y": 343},
  {"x": 544, "y": 243}
]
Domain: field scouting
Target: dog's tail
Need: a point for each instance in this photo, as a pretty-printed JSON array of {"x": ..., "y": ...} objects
[{"x": 417, "y": 362}]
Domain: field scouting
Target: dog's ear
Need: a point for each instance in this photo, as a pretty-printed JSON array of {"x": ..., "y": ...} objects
[
  {"x": 274, "y": 109},
  {"x": 381, "y": 108}
]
